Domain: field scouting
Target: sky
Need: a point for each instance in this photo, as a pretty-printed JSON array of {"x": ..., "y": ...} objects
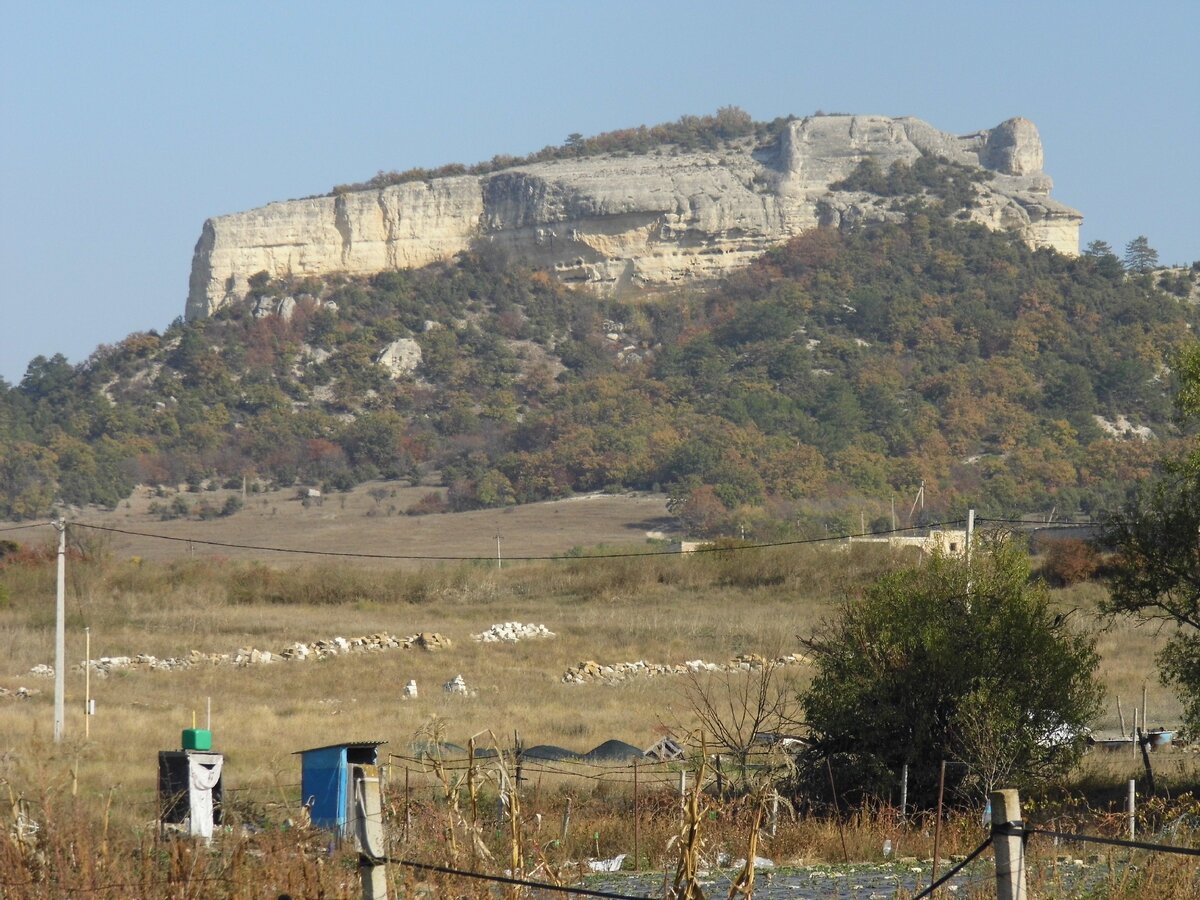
[{"x": 123, "y": 126}]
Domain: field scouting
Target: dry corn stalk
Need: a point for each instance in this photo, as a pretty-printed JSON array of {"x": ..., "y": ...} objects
[
  {"x": 687, "y": 872},
  {"x": 743, "y": 884}
]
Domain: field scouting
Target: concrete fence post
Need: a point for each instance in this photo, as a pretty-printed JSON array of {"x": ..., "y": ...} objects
[{"x": 1009, "y": 845}]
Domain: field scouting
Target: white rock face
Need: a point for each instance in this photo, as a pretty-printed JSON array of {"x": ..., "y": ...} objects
[
  {"x": 1122, "y": 427},
  {"x": 641, "y": 220},
  {"x": 400, "y": 357}
]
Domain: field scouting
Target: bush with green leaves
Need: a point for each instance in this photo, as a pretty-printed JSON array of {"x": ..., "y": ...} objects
[
  {"x": 949, "y": 661},
  {"x": 1155, "y": 567}
]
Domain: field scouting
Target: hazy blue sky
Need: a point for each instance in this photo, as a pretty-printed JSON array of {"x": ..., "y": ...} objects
[{"x": 123, "y": 126}]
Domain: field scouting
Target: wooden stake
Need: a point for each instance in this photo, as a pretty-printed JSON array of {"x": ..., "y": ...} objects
[
  {"x": 637, "y": 823},
  {"x": 1121, "y": 716},
  {"x": 937, "y": 825},
  {"x": 1131, "y": 807},
  {"x": 1143, "y": 743},
  {"x": 837, "y": 812}
]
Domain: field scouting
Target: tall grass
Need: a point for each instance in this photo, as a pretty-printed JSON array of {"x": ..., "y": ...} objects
[{"x": 659, "y": 608}]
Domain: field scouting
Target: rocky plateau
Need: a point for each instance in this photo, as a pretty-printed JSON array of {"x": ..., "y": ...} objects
[{"x": 619, "y": 221}]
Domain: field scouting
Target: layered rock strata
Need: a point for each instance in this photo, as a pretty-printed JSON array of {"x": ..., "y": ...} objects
[{"x": 651, "y": 220}]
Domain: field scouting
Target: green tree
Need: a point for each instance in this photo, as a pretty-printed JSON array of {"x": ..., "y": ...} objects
[
  {"x": 949, "y": 661},
  {"x": 1106, "y": 260},
  {"x": 1140, "y": 257},
  {"x": 1155, "y": 574}
]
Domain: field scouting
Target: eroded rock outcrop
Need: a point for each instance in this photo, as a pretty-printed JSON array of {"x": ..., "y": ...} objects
[{"x": 607, "y": 221}]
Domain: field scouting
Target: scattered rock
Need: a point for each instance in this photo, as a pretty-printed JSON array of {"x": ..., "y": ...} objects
[
  {"x": 41, "y": 670},
  {"x": 254, "y": 656},
  {"x": 592, "y": 671},
  {"x": 430, "y": 640},
  {"x": 511, "y": 632},
  {"x": 459, "y": 686},
  {"x": 401, "y": 357}
]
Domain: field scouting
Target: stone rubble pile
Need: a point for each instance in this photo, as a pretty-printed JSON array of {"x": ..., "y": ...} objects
[
  {"x": 252, "y": 656},
  {"x": 21, "y": 693},
  {"x": 590, "y": 671},
  {"x": 41, "y": 670},
  {"x": 511, "y": 632},
  {"x": 459, "y": 686}
]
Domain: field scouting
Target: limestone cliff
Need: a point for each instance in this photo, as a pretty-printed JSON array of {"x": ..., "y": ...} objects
[{"x": 648, "y": 220}]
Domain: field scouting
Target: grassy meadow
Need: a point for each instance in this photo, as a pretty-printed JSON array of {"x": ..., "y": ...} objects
[{"x": 665, "y": 608}]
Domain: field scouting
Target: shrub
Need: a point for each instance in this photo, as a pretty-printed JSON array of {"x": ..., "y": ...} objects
[
  {"x": 433, "y": 502},
  {"x": 949, "y": 661},
  {"x": 1069, "y": 561}
]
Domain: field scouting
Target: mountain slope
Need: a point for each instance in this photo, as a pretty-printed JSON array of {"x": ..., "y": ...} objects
[{"x": 837, "y": 371}]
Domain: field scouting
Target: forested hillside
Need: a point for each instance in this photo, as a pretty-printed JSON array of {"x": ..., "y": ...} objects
[{"x": 838, "y": 372}]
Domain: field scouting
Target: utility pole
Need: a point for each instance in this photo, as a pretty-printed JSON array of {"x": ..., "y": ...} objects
[
  {"x": 970, "y": 533},
  {"x": 87, "y": 682},
  {"x": 60, "y": 637}
]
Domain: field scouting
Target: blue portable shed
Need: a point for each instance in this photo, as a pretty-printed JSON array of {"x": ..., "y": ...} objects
[{"x": 325, "y": 780}]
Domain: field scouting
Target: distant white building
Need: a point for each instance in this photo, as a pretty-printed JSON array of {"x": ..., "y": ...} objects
[{"x": 947, "y": 541}]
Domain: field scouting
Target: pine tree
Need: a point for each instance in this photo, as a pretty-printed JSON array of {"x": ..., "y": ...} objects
[{"x": 1140, "y": 257}]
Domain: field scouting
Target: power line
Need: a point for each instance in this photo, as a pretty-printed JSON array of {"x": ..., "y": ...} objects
[
  {"x": 23, "y": 527},
  {"x": 1037, "y": 524},
  {"x": 560, "y": 557}
]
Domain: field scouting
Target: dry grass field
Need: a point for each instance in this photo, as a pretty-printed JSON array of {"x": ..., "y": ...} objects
[
  {"x": 371, "y": 520},
  {"x": 141, "y": 595}
]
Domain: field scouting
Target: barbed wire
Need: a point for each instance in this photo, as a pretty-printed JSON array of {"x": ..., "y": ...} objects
[
  {"x": 955, "y": 869},
  {"x": 1112, "y": 842},
  {"x": 519, "y": 882}
]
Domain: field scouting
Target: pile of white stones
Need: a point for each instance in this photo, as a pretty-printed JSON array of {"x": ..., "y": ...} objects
[
  {"x": 458, "y": 685},
  {"x": 511, "y": 632},
  {"x": 590, "y": 671},
  {"x": 251, "y": 656}
]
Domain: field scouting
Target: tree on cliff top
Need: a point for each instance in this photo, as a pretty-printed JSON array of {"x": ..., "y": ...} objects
[{"x": 1140, "y": 257}]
